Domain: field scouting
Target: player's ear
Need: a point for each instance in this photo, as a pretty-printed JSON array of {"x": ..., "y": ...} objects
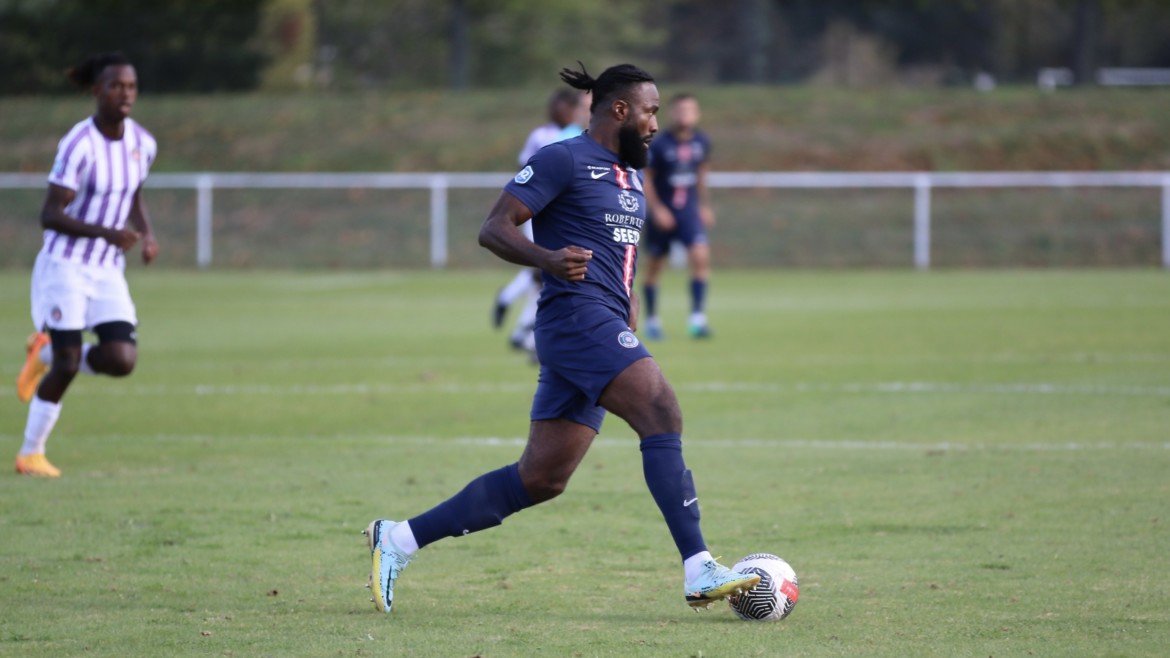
[{"x": 620, "y": 109}]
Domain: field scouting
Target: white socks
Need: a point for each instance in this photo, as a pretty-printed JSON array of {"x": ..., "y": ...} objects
[
  {"x": 403, "y": 537},
  {"x": 699, "y": 319},
  {"x": 42, "y": 416},
  {"x": 516, "y": 287},
  {"x": 85, "y": 367},
  {"x": 693, "y": 565}
]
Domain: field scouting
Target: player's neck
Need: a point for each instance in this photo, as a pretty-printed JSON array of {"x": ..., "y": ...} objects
[
  {"x": 111, "y": 128},
  {"x": 608, "y": 139},
  {"x": 681, "y": 133}
]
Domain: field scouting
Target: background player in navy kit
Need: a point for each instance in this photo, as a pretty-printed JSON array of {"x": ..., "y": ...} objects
[
  {"x": 585, "y": 199},
  {"x": 680, "y": 209}
]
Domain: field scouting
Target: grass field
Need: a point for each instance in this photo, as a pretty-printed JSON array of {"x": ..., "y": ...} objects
[{"x": 956, "y": 464}]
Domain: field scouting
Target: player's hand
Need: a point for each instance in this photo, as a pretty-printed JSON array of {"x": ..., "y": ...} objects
[
  {"x": 149, "y": 248},
  {"x": 124, "y": 239},
  {"x": 663, "y": 219},
  {"x": 635, "y": 309},
  {"x": 569, "y": 263},
  {"x": 707, "y": 216}
]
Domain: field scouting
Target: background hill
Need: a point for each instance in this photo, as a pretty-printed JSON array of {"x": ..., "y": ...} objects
[{"x": 753, "y": 128}]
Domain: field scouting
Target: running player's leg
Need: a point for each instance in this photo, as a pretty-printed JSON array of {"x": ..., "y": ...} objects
[
  {"x": 694, "y": 237},
  {"x": 555, "y": 448},
  {"x": 699, "y": 256},
  {"x": 642, "y": 397},
  {"x": 113, "y": 317},
  {"x": 45, "y": 407},
  {"x": 116, "y": 351},
  {"x": 523, "y": 336},
  {"x": 516, "y": 288},
  {"x": 509, "y": 294},
  {"x": 59, "y": 302},
  {"x": 657, "y": 246}
]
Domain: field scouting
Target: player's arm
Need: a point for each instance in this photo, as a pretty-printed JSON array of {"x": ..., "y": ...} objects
[
  {"x": 659, "y": 213},
  {"x": 501, "y": 235},
  {"x": 706, "y": 214},
  {"x": 140, "y": 220},
  {"x": 54, "y": 218}
]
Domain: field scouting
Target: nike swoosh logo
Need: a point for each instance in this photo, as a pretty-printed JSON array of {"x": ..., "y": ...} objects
[
  {"x": 688, "y": 503},
  {"x": 596, "y": 175}
]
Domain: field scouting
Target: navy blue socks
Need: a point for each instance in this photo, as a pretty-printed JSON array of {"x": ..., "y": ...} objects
[
  {"x": 673, "y": 489},
  {"x": 484, "y": 503},
  {"x": 698, "y": 295},
  {"x": 650, "y": 299}
]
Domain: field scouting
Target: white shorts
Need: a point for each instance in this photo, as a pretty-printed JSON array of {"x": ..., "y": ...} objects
[{"x": 71, "y": 296}]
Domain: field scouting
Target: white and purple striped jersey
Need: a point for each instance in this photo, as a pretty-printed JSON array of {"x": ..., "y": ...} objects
[
  {"x": 105, "y": 174},
  {"x": 540, "y": 137}
]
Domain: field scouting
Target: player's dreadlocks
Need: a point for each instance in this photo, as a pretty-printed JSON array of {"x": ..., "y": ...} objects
[
  {"x": 612, "y": 82},
  {"x": 86, "y": 73}
]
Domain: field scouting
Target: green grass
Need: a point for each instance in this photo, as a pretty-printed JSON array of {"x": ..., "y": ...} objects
[
  {"x": 752, "y": 128},
  {"x": 956, "y": 464}
]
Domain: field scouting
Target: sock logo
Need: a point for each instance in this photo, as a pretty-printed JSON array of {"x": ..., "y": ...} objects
[{"x": 688, "y": 503}]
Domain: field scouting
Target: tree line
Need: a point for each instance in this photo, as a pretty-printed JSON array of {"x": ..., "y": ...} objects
[{"x": 229, "y": 45}]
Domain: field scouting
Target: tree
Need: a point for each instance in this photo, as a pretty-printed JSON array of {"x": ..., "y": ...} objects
[{"x": 180, "y": 45}]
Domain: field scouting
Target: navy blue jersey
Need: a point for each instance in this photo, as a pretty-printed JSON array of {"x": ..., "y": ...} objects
[
  {"x": 676, "y": 170},
  {"x": 581, "y": 194}
]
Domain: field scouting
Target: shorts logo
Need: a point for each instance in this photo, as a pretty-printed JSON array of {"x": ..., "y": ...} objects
[
  {"x": 524, "y": 176},
  {"x": 55, "y": 314},
  {"x": 629, "y": 201},
  {"x": 628, "y": 340}
]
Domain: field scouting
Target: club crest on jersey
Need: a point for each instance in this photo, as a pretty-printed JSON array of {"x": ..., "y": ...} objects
[
  {"x": 629, "y": 201},
  {"x": 628, "y": 340},
  {"x": 524, "y": 176},
  {"x": 55, "y": 314}
]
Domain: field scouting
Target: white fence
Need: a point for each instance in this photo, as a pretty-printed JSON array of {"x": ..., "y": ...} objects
[{"x": 921, "y": 183}]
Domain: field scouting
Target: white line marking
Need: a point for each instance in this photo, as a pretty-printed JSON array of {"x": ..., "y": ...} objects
[{"x": 920, "y": 388}]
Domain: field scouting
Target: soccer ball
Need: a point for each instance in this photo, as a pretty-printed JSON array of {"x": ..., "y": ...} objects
[{"x": 776, "y": 594}]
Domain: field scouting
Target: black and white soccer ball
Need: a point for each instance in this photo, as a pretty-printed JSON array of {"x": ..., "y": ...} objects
[{"x": 776, "y": 594}]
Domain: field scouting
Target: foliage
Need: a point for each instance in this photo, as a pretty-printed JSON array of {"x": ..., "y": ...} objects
[{"x": 179, "y": 45}]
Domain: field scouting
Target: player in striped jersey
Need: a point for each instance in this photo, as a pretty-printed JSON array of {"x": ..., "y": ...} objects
[{"x": 92, "y": 215}]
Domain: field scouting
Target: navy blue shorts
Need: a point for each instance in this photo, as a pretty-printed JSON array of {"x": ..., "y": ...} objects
[
  {"x": 582, "y": 345},
  {"x": 688, "y": 229}
]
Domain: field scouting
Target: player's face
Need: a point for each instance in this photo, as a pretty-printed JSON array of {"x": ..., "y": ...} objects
[
  {"x": 116, "y": 90},
  {"x": 637, "y": 131},
  {"x": 563, "y": 113},
  {"x": 684, "y": 113}
]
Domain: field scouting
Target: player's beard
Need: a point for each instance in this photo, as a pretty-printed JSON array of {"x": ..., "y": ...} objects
[{"x": 631, "y": 149}]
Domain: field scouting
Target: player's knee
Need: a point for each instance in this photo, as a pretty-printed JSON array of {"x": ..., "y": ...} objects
[
  {"x": 66, "y": 361},
  {"x": 545, "y": 486},
  {"x": 665, "y": 414},
  {"x": 122, "y": 360}
]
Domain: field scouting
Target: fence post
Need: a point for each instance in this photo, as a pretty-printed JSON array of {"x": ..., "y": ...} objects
[
  {"x": 922, "y": 221},
  {"x": 1166, "y": 222},
  {"x": 203, "y": 201},
  {"x": 439, "y": 222}
]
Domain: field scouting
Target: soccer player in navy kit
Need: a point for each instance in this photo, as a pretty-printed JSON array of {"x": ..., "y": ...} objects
[
  {"x": 680, "y": 209},
  {"x": 585, "y": 199}
]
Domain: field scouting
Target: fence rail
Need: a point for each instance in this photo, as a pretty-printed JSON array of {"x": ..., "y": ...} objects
[{"x": 920, "y": 183}]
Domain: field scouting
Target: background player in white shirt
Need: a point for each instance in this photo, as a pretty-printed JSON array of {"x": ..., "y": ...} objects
[
  {"x": 92, "y": 215},
  {"x": 562, "y": 112}
]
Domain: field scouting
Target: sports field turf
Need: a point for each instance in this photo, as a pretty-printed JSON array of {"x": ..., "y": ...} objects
[{"x": 956, "y": 464}]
